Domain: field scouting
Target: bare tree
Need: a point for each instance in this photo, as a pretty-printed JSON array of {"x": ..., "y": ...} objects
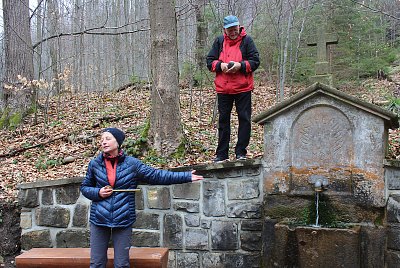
[
  {"x": 18, "y": 56},
  {"x": 165, "y": 122}
]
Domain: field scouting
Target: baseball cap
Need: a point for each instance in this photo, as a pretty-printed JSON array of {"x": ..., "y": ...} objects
[{"x": 230, "y": 21}]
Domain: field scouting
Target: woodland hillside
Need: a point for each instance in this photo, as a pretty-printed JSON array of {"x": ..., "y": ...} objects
[
  {"x": 70, "y": 68},
  {"x": 64, "y": 137}
]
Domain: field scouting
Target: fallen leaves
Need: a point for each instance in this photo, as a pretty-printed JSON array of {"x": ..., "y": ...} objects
[{"x": 73, "y": 122}]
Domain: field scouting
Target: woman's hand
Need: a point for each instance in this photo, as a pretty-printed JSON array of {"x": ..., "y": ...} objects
[
  {"x": 196, "y": 177},
  {"x": 106, "y": 191}
]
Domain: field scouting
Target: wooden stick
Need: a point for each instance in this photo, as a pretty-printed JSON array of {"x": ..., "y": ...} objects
[{"x": 126, "y": 190}]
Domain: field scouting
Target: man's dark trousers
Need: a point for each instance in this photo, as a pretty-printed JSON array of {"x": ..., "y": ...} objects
[{"x": 243, "y": 108}]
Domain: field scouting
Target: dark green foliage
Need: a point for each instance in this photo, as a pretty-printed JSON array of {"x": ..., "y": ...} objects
[
  {"x": 363, "y": 51},
  {"x": 394, "y": 105},
  {"x": 138, "y": 146},
  {"x": 44, "y": 163}
]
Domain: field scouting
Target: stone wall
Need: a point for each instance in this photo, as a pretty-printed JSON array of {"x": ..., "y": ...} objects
[
  {"x": 213, "y": 223},
  {"x": 392, "y": 177}
]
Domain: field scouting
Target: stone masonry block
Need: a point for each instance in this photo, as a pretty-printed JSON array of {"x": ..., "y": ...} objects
[
  {"x": 189, "y": 191},
  {"x": 393, "y": 238},
  {"x": 252, "y": 225},
  {"x": 73, "y": 238},
  {"x": 28, "y": 198},
  {"x": 393, "y": 178},
  {"x": 26, "y": 220},
  {"x": 243, "y": 189},
  {"x": 173, "y": 231},
  {"x": 36, "y": 239},
  {"x": 244, "y": 210},
  {"x": 229, "y": 173},
  {"x": 213, "y": 260},
  {"x": 147, "y": 221},
  {"x": 158, "y": 197},
  {"x": 187, "y": 207},
  {"x": 205, "y": 224},
  {"x": 67, "y": 194},
  {"x": 242, "y": 260},
  {"x": 145, "y": 239},
  {"x": 251, "y": 241},
  {"x": 213, "y": 198},
  {"x": 373, "y": 245},
  {"x": 47, "y": 197},
  {"x": 139, "y": 202},
  {"x": 196, "y": 239},
  {"x": 392, "y": 259},
  {"x": 187, "y": 260},
  {"x": 52, "y": 216},
  {"x": 80, "y": 217},
  {"x": 224, "y": 235},
  {"x": 192, "y": 220},
  {"x": 253, "y": 171},
  {"x": 393, "y": 209}
]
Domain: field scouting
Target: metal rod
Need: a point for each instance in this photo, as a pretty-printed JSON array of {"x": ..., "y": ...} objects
[{"x": 126, "y": 190}]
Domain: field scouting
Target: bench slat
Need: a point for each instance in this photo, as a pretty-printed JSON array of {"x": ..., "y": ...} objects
[{"x": 80, "y": 257}]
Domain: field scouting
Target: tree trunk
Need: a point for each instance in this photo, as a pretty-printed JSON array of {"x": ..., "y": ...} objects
[
  {"x": 53, "y": 17},
  {"x": 201, "y": 35},
  {"x": 282, "y": 67},
  {"x": 165, "y": 122},
  {"x": 18, "y": 56}
]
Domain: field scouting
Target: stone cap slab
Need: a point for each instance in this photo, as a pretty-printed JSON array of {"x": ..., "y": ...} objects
[
  {"x": 201, "y": 167},
  {"x": 50, "y": 183},
  {"x": 223, "y": 165},
  {"x": 319, "y": 88}
]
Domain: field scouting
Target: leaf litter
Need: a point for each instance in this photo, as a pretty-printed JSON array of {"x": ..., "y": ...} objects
[{"x": 76, "y": 121}]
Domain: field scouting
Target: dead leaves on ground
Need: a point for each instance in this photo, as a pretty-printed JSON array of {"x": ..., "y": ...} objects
[{"x": 78, "y": 120}]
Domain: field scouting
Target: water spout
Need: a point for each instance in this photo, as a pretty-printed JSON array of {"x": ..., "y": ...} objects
[
  {"x": 317, "y": 211},
  {"x": 320, "y": 184}
]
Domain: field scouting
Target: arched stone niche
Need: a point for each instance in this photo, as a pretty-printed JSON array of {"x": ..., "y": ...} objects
[{"x": 322, "y": 136}]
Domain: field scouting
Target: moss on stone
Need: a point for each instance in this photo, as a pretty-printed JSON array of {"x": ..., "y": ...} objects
[
  {"x": 379, "y": 220},
  {"x": 282, "y": 212},
  {"x": 326, "y": 213}
]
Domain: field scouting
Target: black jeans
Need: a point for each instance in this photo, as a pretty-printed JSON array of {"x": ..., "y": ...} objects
[{"x": 243, "y": 108}]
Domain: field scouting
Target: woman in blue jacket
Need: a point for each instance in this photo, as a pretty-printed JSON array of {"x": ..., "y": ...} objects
[{"x": 113, "y": 213}]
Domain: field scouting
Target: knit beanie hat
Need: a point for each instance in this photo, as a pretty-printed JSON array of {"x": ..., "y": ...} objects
[{"x": 117, "y": 133}]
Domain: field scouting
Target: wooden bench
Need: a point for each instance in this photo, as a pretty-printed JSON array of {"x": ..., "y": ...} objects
[{"x": 80, "y": 257}]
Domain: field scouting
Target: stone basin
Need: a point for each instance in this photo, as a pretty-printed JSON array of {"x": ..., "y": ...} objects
[{"x": 305, "y": 246}]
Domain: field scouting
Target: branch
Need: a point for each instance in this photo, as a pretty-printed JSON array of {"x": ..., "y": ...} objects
[
  {"x": 375, "y": 10},
  {"x": 89, "y": 31},
  {"x": 14, "y": 152}
]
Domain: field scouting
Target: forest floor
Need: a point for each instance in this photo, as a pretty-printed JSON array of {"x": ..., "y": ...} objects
[{"x": 59, "y": 143}]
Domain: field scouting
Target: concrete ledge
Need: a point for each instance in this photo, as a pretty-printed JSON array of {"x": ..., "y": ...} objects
[
  {"x": 391, "y": 162},
  {"x": 254, "y": 162},
  {"x": 49, "y": 183}
]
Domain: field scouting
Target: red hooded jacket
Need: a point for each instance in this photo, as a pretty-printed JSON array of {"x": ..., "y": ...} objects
[{"x": 241, "y": 49}]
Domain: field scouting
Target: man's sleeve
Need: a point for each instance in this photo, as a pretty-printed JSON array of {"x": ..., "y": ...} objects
[
  {"x": 253, "y": 59},
  {"x": 213, "y": 64}
]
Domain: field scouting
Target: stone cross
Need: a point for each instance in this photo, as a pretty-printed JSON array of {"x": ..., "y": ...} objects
[{"x": 322, "y": 40}]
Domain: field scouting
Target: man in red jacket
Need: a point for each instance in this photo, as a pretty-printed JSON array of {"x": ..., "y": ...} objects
[{"x": 234, "y": 58}]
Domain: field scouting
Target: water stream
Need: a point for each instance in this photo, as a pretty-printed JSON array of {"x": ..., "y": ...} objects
[{"x": 316, "y": 207}]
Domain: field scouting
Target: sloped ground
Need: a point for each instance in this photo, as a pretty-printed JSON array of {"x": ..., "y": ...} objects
[{"x": 73, "y": 123}]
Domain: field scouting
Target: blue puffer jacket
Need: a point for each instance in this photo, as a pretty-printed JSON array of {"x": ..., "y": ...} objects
[{"x": 118, "y": 210}]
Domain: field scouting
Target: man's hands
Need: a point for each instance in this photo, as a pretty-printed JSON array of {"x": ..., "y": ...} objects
[{"x": 235, "y": 68}]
